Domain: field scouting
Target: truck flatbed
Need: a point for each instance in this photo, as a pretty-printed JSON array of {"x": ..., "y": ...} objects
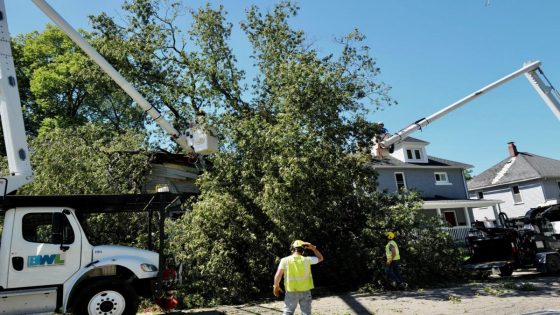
[{"x": 97, "y": 203}]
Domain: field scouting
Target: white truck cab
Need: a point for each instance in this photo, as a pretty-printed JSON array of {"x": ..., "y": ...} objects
[{"x": 47, "y": 262}]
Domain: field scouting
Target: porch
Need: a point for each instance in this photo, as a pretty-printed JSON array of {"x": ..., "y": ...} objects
[{"x": 458, "y": 214}]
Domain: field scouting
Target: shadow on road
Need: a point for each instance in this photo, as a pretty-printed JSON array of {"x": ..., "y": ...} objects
[
  {"x": 354, "y": 305},
  {"x": 522, "y": 285}
]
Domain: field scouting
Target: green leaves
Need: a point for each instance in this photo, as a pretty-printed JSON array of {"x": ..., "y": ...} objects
[
  {"x": 86, "y": 160},
  {"x": 61, "y": 85},
  {"x": 294, "y": 162}
]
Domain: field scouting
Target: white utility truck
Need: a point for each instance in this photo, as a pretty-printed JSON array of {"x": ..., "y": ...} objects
[
  {"x": 531, "y": 70},
  {"x": 47, "y": 260}
]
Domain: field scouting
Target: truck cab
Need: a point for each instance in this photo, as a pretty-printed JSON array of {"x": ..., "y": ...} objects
[
  {"x": 526, "y": 242},
  {"x": 47, "y": 262}
]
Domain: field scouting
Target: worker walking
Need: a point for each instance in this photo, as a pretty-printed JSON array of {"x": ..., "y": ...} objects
[
  {"x": 393, "y": 265},
  {"x": 298, "y": 280}
]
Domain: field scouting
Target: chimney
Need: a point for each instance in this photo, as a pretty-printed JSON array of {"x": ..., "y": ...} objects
[{"x": 512, "y": 149}]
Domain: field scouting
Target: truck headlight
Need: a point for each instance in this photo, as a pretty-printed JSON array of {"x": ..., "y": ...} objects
[{"x": 148, "y": 267}]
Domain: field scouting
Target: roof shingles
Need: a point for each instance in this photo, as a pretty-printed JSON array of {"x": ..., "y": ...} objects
[{"x": 524, "y": 166}]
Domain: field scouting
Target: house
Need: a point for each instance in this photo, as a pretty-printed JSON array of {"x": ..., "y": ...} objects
[
  {"x": 522, "y": 180},
  {"x": 440, "y": 182},
  {"x": 175, "y": 173}
]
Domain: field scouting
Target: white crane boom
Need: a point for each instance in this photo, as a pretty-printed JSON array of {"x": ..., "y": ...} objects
[
  {"x": 185, "y": 141},
  {"x": 13, "y": 128},
  {"x": 195, "y": 140},
  {"x": 546, "y": 91},
  {"x": 531, "y": 70}
]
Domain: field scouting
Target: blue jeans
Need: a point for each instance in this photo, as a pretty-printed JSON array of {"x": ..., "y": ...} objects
[
  {"x": 292, "y": 299},
  {"x": 393, "y": 271}
]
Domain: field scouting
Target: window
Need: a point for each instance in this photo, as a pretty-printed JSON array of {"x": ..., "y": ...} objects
[
  {"x": 399, "y": 179},
  {"x": 516, "y": 195},
  {"x": 441, "y": 178},
  {"x": 480, "y": 195},
  {"x": 50, "y": 228},
  {"x": 413, "y": 154}
]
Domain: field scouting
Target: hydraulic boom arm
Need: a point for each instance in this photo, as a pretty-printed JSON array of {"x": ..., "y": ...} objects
[
  {"x": 17, "y": 151},
  {"x": 13, "y": 128},
  {"x": 531, "y": 70},
  {"x": 185, "y": 141}
]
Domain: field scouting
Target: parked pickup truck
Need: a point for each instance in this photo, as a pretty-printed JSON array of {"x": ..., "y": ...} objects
[{"x": 526, "y": 242}]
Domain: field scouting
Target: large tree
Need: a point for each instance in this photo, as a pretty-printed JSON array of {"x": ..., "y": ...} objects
[
  {"x": 294, "y": 162},
  {"x": 290, "y": 167}
]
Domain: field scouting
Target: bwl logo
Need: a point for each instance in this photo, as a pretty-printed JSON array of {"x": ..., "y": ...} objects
[{"x": 44, "y": 260}]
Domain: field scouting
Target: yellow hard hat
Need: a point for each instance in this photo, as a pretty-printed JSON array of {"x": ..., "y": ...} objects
[
  {"x": 297, "y": 243},
  {"x": 390, "y": 235}
]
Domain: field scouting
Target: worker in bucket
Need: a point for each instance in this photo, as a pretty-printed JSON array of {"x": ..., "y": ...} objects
[
  {"x": 379, "y": 138},
  {"x": 298, "y": 280},
  {"x": 393, "y": 265}
]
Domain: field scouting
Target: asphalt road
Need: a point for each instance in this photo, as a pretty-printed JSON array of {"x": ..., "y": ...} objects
[{"x": 526, "y": 293}]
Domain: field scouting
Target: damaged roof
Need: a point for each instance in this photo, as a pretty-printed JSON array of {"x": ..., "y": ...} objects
[{"x": 522, "y": 167}]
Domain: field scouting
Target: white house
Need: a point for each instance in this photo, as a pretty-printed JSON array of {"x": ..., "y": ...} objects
[{"x": 523, "y": 181}]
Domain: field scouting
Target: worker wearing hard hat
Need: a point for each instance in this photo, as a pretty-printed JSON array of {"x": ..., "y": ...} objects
[
  {"x": 298, "y": 280},
  {"x": 393, "y": 266}
]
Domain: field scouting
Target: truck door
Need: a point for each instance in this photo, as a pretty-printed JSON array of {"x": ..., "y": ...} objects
[{"x": 45, "y": 249}]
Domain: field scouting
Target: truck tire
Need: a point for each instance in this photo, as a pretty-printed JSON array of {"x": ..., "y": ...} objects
[
  {"x": 506, "y": 271},
  {"x": 552, "y": 264},
  {"x": 106, "y": 297}
]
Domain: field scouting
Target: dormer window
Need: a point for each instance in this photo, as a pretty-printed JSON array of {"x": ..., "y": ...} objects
[
  {"x": 411, "y": 151},
  {"x": 414, "y": 154}
]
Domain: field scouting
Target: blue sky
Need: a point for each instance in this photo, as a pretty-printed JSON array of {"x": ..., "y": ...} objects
[{"x": 431, "y": 52}]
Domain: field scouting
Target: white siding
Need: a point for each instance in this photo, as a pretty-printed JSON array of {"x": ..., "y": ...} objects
[
  {"x": 481, "y": 214},
  {"x": 399, "y": 152},
  {"x": 551, "y": 189},
  {"x": 531, "y": 193}
]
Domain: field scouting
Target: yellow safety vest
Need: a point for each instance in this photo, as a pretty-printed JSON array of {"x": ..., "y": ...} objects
[
  {"x": 297, "y": 275},
  {"x": 388, "y": 250}
]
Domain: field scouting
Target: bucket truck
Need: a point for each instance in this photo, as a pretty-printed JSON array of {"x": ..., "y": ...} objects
[
  {"x": 47, "y": 262},
  {"x": 531, "y": 70}
]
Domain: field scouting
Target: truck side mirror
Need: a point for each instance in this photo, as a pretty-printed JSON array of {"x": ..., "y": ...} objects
[{"x": 60, "y": 227}]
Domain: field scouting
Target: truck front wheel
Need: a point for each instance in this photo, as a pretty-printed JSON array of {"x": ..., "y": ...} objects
[
  {"x": 106, "y": 297},
  {"x": 506, "y": 271}
]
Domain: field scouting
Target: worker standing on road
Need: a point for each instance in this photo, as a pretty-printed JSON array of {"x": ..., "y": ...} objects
[
  {"x": 298, "y": 280},
  {"x": 393, "y": 266}
]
